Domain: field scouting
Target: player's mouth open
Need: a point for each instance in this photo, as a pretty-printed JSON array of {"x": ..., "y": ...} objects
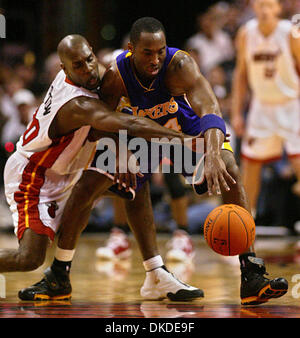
[
  {"x": 153, "y": 70},
  {"x": 92, "y": 81}
]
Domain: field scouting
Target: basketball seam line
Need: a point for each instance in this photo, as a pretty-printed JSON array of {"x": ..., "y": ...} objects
[
  {"x": 244, "y": 227},
  {"x": 211, "y": 232}
]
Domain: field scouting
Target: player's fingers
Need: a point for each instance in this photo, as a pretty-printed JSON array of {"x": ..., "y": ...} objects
[
  {"x": 229, "y": 178},
  {"x": 116, "y": 177},
  {"x": 223, "y": 182},
  {"x": 133, "y": 181},
  {"x": 209, "y": 185},
  {"x": 121, "y": 181},
  {"x": 128, "y": 180},
  {"x": 216, "y": 184}
]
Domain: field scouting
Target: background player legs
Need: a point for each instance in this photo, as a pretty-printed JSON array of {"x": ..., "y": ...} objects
[
  {"x": 120, "y": 219},
  {"x": 29, "y": 256},
  {"x": 179, "y": 212},
  {"x": 117, "y": 245}
]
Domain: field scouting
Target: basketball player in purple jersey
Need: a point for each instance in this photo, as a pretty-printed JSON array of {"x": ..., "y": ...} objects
[{"x": 163, "y": 84}]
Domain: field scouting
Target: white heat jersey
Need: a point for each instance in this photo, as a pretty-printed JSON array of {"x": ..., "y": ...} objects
[
  {"x": 66, "y": 154},
  {"x": 272, "y": 73}
]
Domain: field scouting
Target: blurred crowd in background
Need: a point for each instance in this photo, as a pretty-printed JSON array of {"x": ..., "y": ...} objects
[{"x": 22, "y": 87}]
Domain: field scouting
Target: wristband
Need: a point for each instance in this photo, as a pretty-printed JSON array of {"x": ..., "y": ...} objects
[{"x": 212, "y": 121}]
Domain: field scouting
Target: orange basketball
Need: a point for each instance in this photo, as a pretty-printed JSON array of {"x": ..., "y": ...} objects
[{"x": 229, "y": 230}]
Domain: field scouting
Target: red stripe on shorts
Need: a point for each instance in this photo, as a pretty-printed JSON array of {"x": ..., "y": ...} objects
[{"x": 33, "y": 178}]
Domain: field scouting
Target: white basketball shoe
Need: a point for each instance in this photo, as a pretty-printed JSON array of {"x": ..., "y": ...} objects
[{"x": 160, "y": 284}]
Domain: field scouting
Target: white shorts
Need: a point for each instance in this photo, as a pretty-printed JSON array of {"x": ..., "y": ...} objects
[
  {"x": 271, "y": 129},
  {"x": 36, "y": 196}
]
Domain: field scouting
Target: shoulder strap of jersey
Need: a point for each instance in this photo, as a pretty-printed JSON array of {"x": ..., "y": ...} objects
[
  {"x": 170, "y": 54},
  {"x": 123, "y": 65}
]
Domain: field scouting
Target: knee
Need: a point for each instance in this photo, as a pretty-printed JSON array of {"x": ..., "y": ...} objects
[{"x": 29, "y": 262}]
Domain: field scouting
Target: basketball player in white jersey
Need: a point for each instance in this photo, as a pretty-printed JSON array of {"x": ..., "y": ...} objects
[
  {"x": 268, "y": 56},
  {"x": 55, "y": 149}
]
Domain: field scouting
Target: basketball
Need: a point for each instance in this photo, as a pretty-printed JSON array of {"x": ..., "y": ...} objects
[{"x": 229, "y": 230}]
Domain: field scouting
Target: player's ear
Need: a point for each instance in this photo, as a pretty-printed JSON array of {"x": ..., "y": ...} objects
[
  {"x": 62, "y": 66},
  {"x": 130, "y": 47}
]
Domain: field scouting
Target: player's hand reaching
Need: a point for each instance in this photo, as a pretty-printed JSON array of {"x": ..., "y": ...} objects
[
  {"x": 127, "y": 168},
  {"x": 216, "y": 175}
]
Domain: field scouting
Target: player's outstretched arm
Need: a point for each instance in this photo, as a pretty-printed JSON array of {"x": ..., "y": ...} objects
[
  {"x": 82, "y": 111},
  {"x": 185, "y": 78}
]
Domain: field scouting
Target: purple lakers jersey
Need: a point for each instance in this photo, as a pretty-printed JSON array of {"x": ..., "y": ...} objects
[{"x": 155, "y": 102}]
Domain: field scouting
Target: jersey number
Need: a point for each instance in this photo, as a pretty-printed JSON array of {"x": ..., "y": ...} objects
[
  {"x": 270, "y": 72},
  {"x": 173, "y": 124},
  {"x": 32, "y": 131}
]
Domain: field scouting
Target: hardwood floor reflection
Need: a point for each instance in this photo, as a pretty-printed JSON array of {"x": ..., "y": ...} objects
[{"x": 111, "y": 289}]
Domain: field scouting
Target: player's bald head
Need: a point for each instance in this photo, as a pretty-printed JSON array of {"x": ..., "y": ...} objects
[
  {"x": 70, "y": 45},
  {"x": 78, "y": 61}
]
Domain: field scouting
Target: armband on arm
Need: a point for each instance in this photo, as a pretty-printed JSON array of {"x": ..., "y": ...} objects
[{"x": 211, "y": 121}]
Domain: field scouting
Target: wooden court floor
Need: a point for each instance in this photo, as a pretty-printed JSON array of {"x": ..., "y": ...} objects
[{"x": 111, "y": 289}]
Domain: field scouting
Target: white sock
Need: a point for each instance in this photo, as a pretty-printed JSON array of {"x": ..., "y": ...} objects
[
  {"x": 153, "y": 263},
  {"x": 64, "y": 255}
]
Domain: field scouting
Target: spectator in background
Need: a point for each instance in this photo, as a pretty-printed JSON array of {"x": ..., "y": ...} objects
[
  {"x": 24, "y": 100},
  {"x": 107, "y": 55},
  {"x": 51, "y": 67},
  {"x": 232, "y": 21},
  {"x": 210, "y": 46},
  {"x": 245, "y": 9},
  {"x": 13, "y": 127},
  {"x": 290, "y": 8}
]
